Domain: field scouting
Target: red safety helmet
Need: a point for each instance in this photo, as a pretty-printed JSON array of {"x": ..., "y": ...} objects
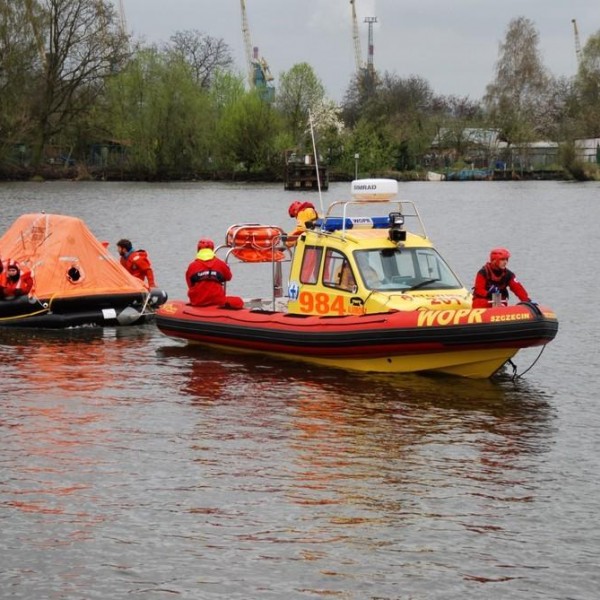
[
  {"x": 294, "y": 208},
  {"x": 499, "y": 254},
  {"x": 206, "y": 243}
]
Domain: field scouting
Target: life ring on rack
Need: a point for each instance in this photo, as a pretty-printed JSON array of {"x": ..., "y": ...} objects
[{"x": 255, "y": 243}]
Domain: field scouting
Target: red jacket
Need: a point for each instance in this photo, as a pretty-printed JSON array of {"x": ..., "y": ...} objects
[
  {"x": 138, "y": 264},
  {"x": 205, "y": 280},
  {"x": 12, "y": 287},
  {"x": 488, "y": 278}
]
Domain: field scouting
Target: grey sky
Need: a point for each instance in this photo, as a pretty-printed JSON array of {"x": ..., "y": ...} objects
[{"x": 453, "y": 44}]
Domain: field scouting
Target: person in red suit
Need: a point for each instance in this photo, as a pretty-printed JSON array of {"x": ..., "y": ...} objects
[
  {"x": 303, "y": 212},
  {"x": 137, "y": 262},
  {"x": 206, "y": 276},
  {"x": 14, "y": 281},
  {"x": 494, "y": 278}
]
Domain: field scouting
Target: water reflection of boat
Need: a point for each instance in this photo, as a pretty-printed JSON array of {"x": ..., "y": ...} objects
[
  {"x": 335, "y": 416},
  {"x": 216, "y": 374},
  {"x": 76, "y": 280},
  {"x": 366, "y": 293}
]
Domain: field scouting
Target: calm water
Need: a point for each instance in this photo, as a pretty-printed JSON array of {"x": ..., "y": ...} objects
[{"x": 134, "y": 466}]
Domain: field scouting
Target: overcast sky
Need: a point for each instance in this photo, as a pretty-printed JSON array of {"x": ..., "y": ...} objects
[{"x": 453, "y": 44}]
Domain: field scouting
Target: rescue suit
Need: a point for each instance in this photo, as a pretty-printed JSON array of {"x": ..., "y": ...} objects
[
  {"x": 14, "y": 281},
  {"x": 206, "y": 277},
  {"x": 491, "y": 279},
  {"x": 138, "y": 264},
  {"x": 303, "y": 212}
]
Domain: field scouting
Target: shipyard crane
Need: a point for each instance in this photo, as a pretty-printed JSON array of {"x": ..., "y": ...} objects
[
  {"x": 577, "y": 43},
  {"x": 259, "y": 73},
  {"x": 356, "y": 38}
]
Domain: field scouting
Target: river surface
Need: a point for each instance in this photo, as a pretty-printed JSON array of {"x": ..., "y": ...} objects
[{"x": 136, "y": 466}]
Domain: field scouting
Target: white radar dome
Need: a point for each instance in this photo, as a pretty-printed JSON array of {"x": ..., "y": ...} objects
[{"x": 374, "y": 189}]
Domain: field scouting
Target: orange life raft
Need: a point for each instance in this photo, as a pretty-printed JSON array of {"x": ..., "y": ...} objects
[{"x": 255, "y": 243}]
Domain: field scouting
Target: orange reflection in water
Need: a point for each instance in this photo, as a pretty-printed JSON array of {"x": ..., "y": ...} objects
[{"x": 57, "y": 422}]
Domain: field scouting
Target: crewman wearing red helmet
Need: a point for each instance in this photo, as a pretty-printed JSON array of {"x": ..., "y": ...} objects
[
  {"x": 494, "y": 278},
  {"x": 15, "y": 281},
  {"x": 206, "y": 276},
  {"x": 303, "y": 212}
]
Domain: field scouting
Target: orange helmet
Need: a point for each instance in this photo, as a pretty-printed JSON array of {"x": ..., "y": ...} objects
[
  {"x": 206, "y": 243},
  {"x": 499, "y": 254},
  {"x": 294, "y": 208}
]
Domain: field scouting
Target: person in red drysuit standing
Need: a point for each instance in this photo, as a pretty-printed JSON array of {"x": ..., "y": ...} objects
[
  {"x": 15, "y": 281},
  {"x": 206, "y": 276},
  {"x": 495, "y": 278},
  {"x": 136, "y": 262}
]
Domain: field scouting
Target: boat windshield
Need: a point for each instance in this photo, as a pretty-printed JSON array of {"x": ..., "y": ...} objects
[{"x": 405, "y": 270}]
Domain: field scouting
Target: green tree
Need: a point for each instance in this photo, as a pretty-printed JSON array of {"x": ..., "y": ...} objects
[
  {"x": 156, "y": 106},
  {"x": 587, "y": 85},
  {"x": 226, "y": 89},
  {"x": 376, "y": 149},
  {"x": 18, "y": 58},
  {"x": 300, "y": 91},
  {"x": 248, "y": 131}
]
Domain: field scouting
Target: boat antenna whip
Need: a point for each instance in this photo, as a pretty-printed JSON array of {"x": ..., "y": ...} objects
[{"x": 312, "y": 135}]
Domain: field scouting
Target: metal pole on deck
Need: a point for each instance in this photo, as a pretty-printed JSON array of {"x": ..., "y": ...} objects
[{"x": 312, "y": 135}]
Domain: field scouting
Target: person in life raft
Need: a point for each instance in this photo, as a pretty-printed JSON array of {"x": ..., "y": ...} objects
[
  {"x": 494, "y": 278},
  {"x": 303, "y": 212},
  {"x": 206, "y": 276},
  {"x": 15, "y": 281},
  {"x": 137, "y": 262}
]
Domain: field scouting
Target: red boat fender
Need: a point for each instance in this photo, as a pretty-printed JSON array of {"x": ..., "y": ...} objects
[{"x": 255, "y": 243}]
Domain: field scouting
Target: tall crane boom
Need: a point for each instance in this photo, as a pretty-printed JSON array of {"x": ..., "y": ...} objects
[
  {"x": 356, "y": 39},
  {"x": 247, "y": 43},
  {"x": 577, "y": 43},
  {"x": 259, "y": 73}
]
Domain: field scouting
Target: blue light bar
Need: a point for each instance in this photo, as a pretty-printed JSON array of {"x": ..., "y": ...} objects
[{"x": 337, "y": 223}]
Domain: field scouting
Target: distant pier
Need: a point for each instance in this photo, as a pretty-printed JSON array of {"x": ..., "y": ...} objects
[{"x": 302, "y": 175}]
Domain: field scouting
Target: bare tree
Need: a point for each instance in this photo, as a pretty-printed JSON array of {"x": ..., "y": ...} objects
[
  {"x": 85, "y": 44},
  {"x": 205, "y": 55}
]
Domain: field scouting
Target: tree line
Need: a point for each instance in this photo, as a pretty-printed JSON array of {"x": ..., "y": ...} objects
[{"x": 77, "y": 91}]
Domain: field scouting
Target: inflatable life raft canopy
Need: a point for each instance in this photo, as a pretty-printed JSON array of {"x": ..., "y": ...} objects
[{"x": 374, "y": 189}]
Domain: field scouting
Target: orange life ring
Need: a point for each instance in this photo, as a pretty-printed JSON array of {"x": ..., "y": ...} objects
[{"x": 255, "y": 243}]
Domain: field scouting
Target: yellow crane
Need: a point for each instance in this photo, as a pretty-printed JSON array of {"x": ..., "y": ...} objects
[
  {"x": 356, "y": 39},
  {"x": 577, "y": 42},
  {"x": 259, "y": 73}
]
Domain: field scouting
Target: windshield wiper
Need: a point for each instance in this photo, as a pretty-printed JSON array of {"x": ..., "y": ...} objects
[{"x": 421, "y": 284}]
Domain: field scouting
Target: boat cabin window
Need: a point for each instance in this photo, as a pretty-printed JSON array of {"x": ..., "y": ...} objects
[
  {"x": 405, "y": 269},
  {"x": 338, "y": 272},
  {"x": 311, "y": 261}
]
